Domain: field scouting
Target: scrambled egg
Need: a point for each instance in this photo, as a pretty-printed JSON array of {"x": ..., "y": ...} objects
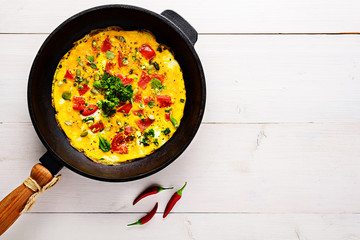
[{"x": 118, "y": 95}]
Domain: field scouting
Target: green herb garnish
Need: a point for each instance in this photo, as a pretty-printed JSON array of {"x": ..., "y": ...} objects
[
  {"x": 159, "y": 49},
  {"x": 151, "y": 133},
  {"x": 103, "y": 144},
  {"x": 166, "y": 131},
  {"x": 114, "y": 91},
  {"x": 145, "y": 140}
]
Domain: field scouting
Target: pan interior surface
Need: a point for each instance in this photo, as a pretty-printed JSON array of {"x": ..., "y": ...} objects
[{"x": 61, "y": 40}]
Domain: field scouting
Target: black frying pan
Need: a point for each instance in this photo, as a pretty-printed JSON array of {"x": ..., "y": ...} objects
[{"x": 170, "y": 29}]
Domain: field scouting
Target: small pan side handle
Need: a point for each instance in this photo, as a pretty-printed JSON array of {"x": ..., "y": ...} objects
[
  {"x": 182, "y": 24},
  {"x": 13, "y": 204}
]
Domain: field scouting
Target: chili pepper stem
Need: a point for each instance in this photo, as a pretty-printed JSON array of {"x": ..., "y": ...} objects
[
  {"x": 181, "y": 189},
  {"x": 161, "y": 188},
  {"x": 135, "y": 223}
]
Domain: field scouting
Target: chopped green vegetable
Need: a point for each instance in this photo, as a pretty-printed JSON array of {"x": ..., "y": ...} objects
[
  {"x": 97, "y": 84},
  {"x": 94, "y": 91},
  {"x": 151, "y": 104},
  {"x": 173, "y": 121},
  {"x": 78, "y": 59},
  {"x": 90, "y": 58},
  {"x": 109, "y": 55},
  {"x": 151, "y": 133},
  {"x": 93, "y": 65},
  {"x": 103, "y": 144},
  {"x": 88, "y": 119},
  {"x": 159, "y": 49},
  {"x": 156, "y": 142},
  {"x": 122, "y": 39},
  {"x": 94, "y": 43},
  {"x": 96, "y": 76},
  {"x": 66, "y": 95},
  {"x": 156, "y": 83},
  {"x": 64, "y": 80},
  {"x": 182, "y": 100},
  {"x": 166, "y": 131},
  {"x": 60, "y": 83},
  {"x": 84, "y": 134},
  {"x": 156, "y": 65},
  {"x": 145, "y": 140},
  {"x": 125, "y": 61},
  {"x": 78, "y": 72}
]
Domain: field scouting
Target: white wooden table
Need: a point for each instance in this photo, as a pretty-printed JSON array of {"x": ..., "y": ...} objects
[{"x": 277, "y": 155}]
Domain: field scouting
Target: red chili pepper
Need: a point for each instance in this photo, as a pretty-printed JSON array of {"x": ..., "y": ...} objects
[
  {"x": 175, "y": 197},
  {"x": 146, "y": 218},
  {"x": 148, "y": 192}
]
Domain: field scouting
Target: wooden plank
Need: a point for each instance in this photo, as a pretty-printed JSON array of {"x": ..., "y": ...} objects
[
  {"x": 231, "y": 16},
  {"x": 187, "y": 226},
  {"x": 235, "y": 168},
  {"x": 250, "y": 79}
]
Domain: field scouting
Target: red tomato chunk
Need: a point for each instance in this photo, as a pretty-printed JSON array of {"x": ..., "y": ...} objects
[
  {"x": 89, "y": 109},
  {"x": 147, "y": 51},
  {"x": 106, "y": 46},
  {"x": 118, "y": 144},
  {"x": 143, "y": 125},
  {"x": 96, "y": 127},
  {"x": 164, "y": 100},
  {"x": 126, "y": 108}
]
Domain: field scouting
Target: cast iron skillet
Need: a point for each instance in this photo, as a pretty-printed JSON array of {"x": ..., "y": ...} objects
[{"x": 169, "y": 29}]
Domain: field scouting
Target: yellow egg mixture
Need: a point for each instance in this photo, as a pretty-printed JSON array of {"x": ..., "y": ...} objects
[{"x": 118, "y": 95}]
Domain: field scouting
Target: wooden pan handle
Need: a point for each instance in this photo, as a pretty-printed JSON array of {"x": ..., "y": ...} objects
[{"x": 12, "y": 205}]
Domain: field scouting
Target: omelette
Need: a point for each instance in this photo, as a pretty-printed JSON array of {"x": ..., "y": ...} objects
[{"x": 118, "y": 95}]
